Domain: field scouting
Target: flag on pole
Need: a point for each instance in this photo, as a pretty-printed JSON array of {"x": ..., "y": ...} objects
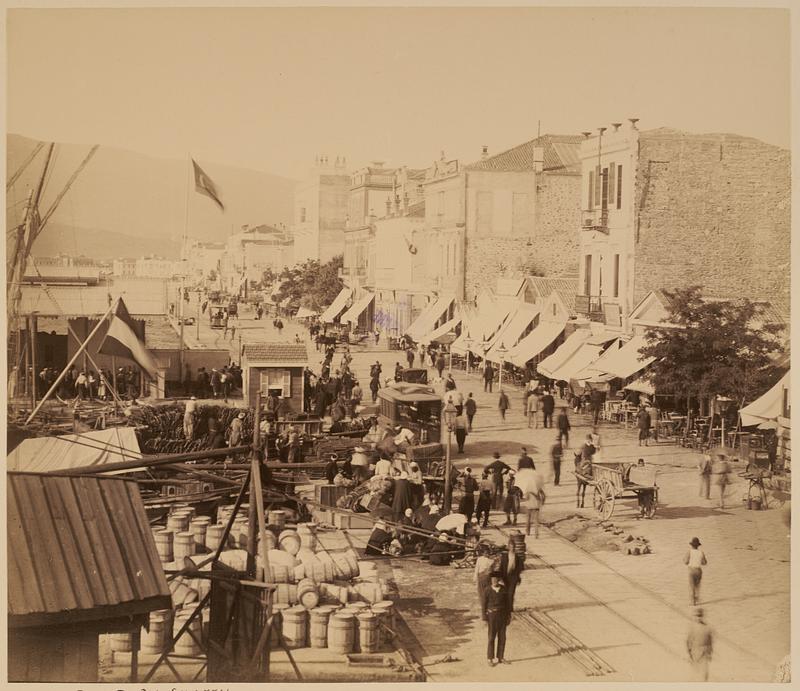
[
  {"x": 121, "y": 340},
  {"x": 205, "y": 185}
]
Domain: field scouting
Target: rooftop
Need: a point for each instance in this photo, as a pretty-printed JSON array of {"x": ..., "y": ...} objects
[
  {"x": 561, "y": 154},
  {"x": 79, "y": 549},
  {"x": 277, "y": 352}
]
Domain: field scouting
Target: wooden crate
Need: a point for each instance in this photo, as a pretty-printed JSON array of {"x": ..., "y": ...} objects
[{"x": 328, "y": 495}]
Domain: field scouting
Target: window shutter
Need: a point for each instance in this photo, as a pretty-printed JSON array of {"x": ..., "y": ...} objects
[
  {"x": 598, "y": 182},
  {"x": 287, "y": 383},
  {"x": 619, "y": 187},
  {"x": 591, "y": 191},
  {"x": 264, "y": 381},
  {"x": 612, "y": 178}
]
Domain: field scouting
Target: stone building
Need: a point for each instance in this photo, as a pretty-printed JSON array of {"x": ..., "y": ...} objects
[
  {"x": 251, "y": 252},
  {"x": 320, "y": 211},
  {"x": 664, "y": 209}
]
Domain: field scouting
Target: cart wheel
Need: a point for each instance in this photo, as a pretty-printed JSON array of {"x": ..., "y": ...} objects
[
  {"x": 603, "y": 499},
  {"x": 650, "y": 507}
]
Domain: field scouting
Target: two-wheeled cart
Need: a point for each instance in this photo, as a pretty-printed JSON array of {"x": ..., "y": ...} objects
[{"x": 619, "y": 480}]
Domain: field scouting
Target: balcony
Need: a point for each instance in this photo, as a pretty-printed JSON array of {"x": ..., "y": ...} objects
[
  {"x": 591, "y": 307},
  {"x": 595, "y": 219}
]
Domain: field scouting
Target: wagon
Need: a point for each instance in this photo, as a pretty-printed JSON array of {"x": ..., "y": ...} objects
[{"x": 619, "y": 480}]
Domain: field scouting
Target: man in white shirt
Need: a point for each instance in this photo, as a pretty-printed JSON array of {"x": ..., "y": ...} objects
[
  {"x": 483, "y": 570},
  {"x": 695, "y": 559},
  {"x": 383, "y": 467},
  {"x": 404, "y": 436}
]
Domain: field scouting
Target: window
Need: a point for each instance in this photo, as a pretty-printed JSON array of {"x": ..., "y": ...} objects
[
  {"x": 619, "y": 187},
  {"x": 587, "y": 275},
  {"x": 279, "y": 380},
  {"x": 591, "y": 190},
  {"x": 604, "y": 185},
  {"x": 598, "y": 181},
  {"x": 303, "y": 214},
  {"x": 616, "y": 275},
  {"x": 612, "y": 178},
  {"x": 485, "y": 209}
]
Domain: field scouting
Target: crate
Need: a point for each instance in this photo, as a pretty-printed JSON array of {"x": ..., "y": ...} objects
[
  {"x": 328, "y": 495},
  {"x": 352, "y": 521}
]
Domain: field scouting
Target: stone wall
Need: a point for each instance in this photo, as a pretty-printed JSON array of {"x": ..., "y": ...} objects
[
  {"x": 714, "y": 210},
  {"x": 554, "y": 237}
]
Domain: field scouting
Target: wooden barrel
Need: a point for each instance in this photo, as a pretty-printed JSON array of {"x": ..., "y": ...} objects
[
  {"x": 341, "y": 633},
  {"x": 183, "y": 545},
  {"x": 235, "y": 558},
  {"x": 318, "y": 627},
  {"x": 333, "y": 594},
  {"x": 295, "y": 627},
  {"x": 159, "y": 638},
  {"x": 278, "y": 608},
  {"x": 353, "y": 612},
  {"x": 385, "y": 608},
  {"x": 352, "y": 560},
  {"x": 186, "y": 645},
  {"x": 121, "y": 642},
  {"x": 307, "y": 534},
  {"x": 177, "y": 524},
  {"x": 163, "y": 540},
  {"x": 299, "y": 572},
  {"x": 368, "y": 571},
  {"x": 279, "y": 574},
  {"x": 307, "y": 593},
  {"x": 368, "y": 632},
  {"x": 289, "y": 542},
  {"x": 316, "y": 572},
  {"x": 271, "y": 541},
  {"x": 277, "y": 518},
  {"x": 198, "y": 529},
  {"x": 240, "y": 531},
  {"x": 342, "y": 570},
  {"x": 367, "y": 592},
  {"x": 357, "y": 606},
  {"x": 214, "y": 535},
  {"x": 307, "y": 556}
]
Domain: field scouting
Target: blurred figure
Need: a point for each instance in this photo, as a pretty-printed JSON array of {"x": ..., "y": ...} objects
[
  {"x": 556, "y": 454},
  {"x": 563, "y": 428},
  {"x": 502, "y": 404},
  {"x": 533, "y": 409},
  {"x": 695, "y": 559},
  {"x": 470, "y": 407},
  {"x": 705, "y": 476},
  {"x": 700, "y": 645},
  {"x": 484, "y": 499},
  {"x": 721, "y": 471}
]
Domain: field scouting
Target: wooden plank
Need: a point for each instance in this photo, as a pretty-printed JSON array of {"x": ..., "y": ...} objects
[
  {"x": 73, "y": 565},
  {"x": 110, "y": 541},
  {"x": 84, "y": 546},
  {"x": 158, "y": 580},
  {"x": 44, "y": 548},
  {"x": 131, "y": 551},
  {"x": 102, "y": 584},
  {"x": 30, "y": 599}
]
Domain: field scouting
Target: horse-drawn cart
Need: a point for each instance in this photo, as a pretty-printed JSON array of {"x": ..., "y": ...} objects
[{"x": 618, "y": 480}]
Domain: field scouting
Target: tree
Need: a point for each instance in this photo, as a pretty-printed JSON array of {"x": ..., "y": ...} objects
[
  {"x": 310, "y": 284},
  {"x": 717, "y": 347}
]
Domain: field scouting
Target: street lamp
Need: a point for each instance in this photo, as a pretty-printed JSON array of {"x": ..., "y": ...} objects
[
  {"x": 468, "y": 344},
  {"x": 501, "y": 351},
  {"x": 723, "y": 403},
  {"x": 449, "y": 419}
]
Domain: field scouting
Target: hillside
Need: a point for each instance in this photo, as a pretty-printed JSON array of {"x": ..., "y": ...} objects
[{"x": 124, "y": 201}]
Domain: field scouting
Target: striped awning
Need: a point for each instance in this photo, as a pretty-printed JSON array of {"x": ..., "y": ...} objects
[
  {"x": 564, "y": 352},
  {"x": 535, "y": 342},
  {"x": 358, "y": 308},
  {"x": 445, "y": 334},
  {"x": 336, "y": 307},
  {"x": 426, "y": 320}
]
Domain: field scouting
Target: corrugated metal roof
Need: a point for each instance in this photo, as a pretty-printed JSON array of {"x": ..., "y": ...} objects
[
  {"x": 276, "y": 352},
  {"x": 77, "y": 544},
  {"x": 561, "y": 153}
]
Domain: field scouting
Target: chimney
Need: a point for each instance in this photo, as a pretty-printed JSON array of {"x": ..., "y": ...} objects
[
  {"x": 616, "y": 126},
  {"x": 633, "y": 122},
  {"x": 538, "y": 158},
  {"x": 484, "y": 152}
]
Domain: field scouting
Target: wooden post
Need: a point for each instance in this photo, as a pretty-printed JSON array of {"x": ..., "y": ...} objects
[
  {"x": 136, "y": 637},
  {"x": 33, "y": 325}
]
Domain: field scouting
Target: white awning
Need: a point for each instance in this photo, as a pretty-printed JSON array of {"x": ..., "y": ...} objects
[
  {"x": 357, "y": 308},
  {"x": 596, "y": 370},
  {"x": 641, "y": 386},
  {"x": 509, "y": 334},
  {"x": 535, "y": 342},
  {"x": 336, "y": 307},
  {"x": 484, "y": 324},
  {"x": 427, "y": 319},
  {"x": 627, "y": 361},
  {"x": 304, "y": 313},
  {"x": 766, "y": 407},
  {"x": 580, "y": 359},
  {"x": 444, "y": 334},
  {"x": 564, "y": 352}
]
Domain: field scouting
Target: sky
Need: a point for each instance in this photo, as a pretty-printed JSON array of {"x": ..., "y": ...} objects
[{"x": 271, "y": 88}]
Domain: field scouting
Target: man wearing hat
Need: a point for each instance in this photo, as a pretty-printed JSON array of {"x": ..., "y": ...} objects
[
  {"x": 378, "y": 539},
  {"x": 467, "y": 503},
  {"x": 441, "y": 552},
  {"x": 695, "y": 559},
  {"x": 235, "y": 430},
  {"x": 497, "y": 613},
  {"x": 497, "y": 469},
  {"x": 700, "y": 645}
]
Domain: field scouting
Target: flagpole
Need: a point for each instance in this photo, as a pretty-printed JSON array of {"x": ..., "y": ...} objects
[{"x": 183, "y": 275}]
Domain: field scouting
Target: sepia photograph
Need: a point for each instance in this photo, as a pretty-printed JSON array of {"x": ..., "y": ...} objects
[{"x": 423, "y": 344}]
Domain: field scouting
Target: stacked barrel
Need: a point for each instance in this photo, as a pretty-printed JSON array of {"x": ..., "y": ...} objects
[{"x": 323, "y": 598}]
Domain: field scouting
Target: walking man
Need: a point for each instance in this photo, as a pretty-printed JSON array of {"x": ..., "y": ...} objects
[
  {"x": 471, "y": 408},
  {"x": 410, "y": 357},
  {"x": 532, "y": 407},
  {"x": 460, "y": 428},
  {"x": 467, "y": 504},
  {"x": 497, "y": 469},
  {"x": 705, "y": 476},
  {"x": 700, "y": 645},
  {"x": 502, "y": 404},
  {"x": 548, "y": 406},
  {"x": 440, "y": 364},
  {"x": 643, "y": 421},
  {"x": 695, "y": 559},
  {"x": 556, "y": 453},
  {"x": 488, "y": 377},
  {"x": 497, "y": 614},
  {"x": 484, "y": 506},
  {"x": 563, "y": 428}
]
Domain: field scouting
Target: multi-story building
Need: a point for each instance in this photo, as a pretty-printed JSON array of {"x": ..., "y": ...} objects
[
  {"x": 202, "y": 259},
  {"x": 154, "y": 267},
  {"x": 125, "y": 267},
  {"x": 664, "y": 209},
  {"x": 248, "y": 254},
  {"x": 320, "y": 211}
]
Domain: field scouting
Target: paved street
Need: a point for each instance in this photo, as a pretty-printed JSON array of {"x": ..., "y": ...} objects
[{"x": 643, "y": 600}]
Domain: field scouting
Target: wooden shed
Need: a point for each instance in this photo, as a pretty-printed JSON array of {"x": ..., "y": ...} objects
[
  {"x": 275, "y": 368},
  {"x": 81, "y": 562}
]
